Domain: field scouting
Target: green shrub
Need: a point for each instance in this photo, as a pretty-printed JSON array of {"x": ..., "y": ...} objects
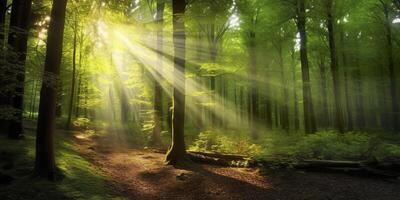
[
  {"x": 215, "y": 141},
  {"x": 384, "y": 151},
  {"x": 332, "y": 145}
]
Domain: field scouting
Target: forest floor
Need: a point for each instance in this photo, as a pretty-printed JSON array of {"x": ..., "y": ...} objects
[{"x": 141, "y": 174}]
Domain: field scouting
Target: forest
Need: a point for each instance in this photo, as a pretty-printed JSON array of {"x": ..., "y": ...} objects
[{"x": 199, "y": 99}]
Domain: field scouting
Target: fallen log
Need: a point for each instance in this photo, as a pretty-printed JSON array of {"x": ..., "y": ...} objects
[
  {"x": 328, "y": 163},
  {"x": 362, "y": 168},
  {"x": 232, "y": 157},
  {"x": 198, "y": 158}
]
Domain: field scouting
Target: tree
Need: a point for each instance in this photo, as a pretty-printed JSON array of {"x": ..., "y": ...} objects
[
  {"x": 334, "y": 66},
  {"x": 45, "y": 161},
  {"x": 309, "y": 117},
  {"x": 73, "y": 79},
  {"x": 159, "y": 17},
  {"x": 386, "y": 8},
  {"x": 18, "y": 43},
  {"x": 176, "y": 154},
  {"x": 3, "y": 7}
]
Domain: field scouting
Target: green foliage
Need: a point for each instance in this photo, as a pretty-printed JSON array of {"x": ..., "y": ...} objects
[
  {"x": 215, "y": 141},
  {"x": 387, "y": 151},
  {"x": 82, "y": 123},
  {"x": 331, "y": 145},
  {"x": 82, "y": 179}
]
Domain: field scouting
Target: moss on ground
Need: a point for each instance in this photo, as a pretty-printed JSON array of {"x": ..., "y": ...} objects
[{"x": 81, "y": 179}]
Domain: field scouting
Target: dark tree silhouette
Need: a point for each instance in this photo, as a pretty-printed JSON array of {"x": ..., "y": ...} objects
[
  {"x": 176, "y": 155},
  {"x": 309, "y": 117},
  {"x": 45, "y": 164},
  {"x": 18, "y": 42}
]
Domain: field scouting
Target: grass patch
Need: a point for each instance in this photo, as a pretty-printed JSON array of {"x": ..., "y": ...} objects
[{"x": 82, "y": 180}]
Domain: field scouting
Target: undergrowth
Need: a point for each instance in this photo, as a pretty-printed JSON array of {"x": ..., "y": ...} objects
[
  {"x": 288, "y": 148},
  {"x": 81, "y": 181}
]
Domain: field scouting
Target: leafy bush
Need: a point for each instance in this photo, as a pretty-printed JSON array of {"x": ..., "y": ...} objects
[
  {"x": 384, "y": 151},
  {"x": 331, "y": 145},
  {"x": 82, "y": 123},
  {"x": 214, "y": 141}
]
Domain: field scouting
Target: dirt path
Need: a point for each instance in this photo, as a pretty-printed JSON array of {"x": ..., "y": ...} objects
[{"x": 140, "y": 174}]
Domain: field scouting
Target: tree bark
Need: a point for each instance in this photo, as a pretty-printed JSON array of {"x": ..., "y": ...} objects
[
  {"x": 254, "y": 118},
  {"x": 177, "y": 155},
  {"x": 360, "y": 118},
  {"x": 309, "y": 117},
  {"x": 295, "y": 96},
  {"x": 18, "y": 42},
  {"x": 346, "y": 74},
  {"x": 44, "y": 163},
  {"x": 391, "y": 66},
  {"x": 156, "y": 136},
  {"x": 337, "y": 90},
  {"x": 73, "y": 78},
  {"x": 3, "y": 7},
  {"x": 284, "y": 110},
  {"x": 324, "y": 116}
]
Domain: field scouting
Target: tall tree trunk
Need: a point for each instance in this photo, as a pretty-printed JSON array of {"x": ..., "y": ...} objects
[
  {"x": 3, "y": 7},
  {"x": 392, "y": 72},
  {"x": 213, "y": 116},
  {"x": 156, "y": 135},
  {"x": 4, "y": 96},
  {"x": 78, "y": 96},
  {"x": 309, "y": 117},
  {"x": 295, "y": 96},
  {"x": 334, "y": 69},
  {"x": 44, "y": 163},
  {"x": 277, "y": 114},
  {"x": 360, "y": 118},
  {"x": 284, "y": 110},
  {"x": 254, "y": 118},
  {"x": 324, "y": 116},
  {"x": 241, "y": 109},
  {"x": 18, "y": 42},
  {"x": 176, "y": 155},
  {"x": 346, "y": 75},
  {"x": 73, "y": 78}
]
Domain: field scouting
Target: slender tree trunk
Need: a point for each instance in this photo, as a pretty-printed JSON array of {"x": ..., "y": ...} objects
[
  {"x": 253, "y": 87},
  {"x": 18, "y": 42},
  {"x": 78, "y": 97},
  {"x": 284, "y": 110},
  {"x": 44, "y": 163},
  {"x": 391, "y": 66},
  {"x": 32, "y": 95},
  {"x": 213, "y": 116},
  {"x": 156, "y": 136},
  {"x": 176, "y": 155},
  {"x": 124, "y": 103},
  {"x": 295, "y": 96},
  {"x": 4, "y": 72},
  {"x": 359, "y": 93},
  {"x": 34, "y": 98},
  {"x": 309, "y": 117},
  {"x": 78, "y": 94},
  {"x": 334, "y": 69},
  {"x": 85, "y": 109},
  {"x": 348, "y": 100},
  {"x": 241, "y": 109},
  {"x": 268, "y": 101},
  {"x": 73, "y": 78},
  {"x": 346, "y": 75},
  {"x": 325, "y": 115},
  {"x": 277, "y": 115},
  {"x": 3, "y": 7}
]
